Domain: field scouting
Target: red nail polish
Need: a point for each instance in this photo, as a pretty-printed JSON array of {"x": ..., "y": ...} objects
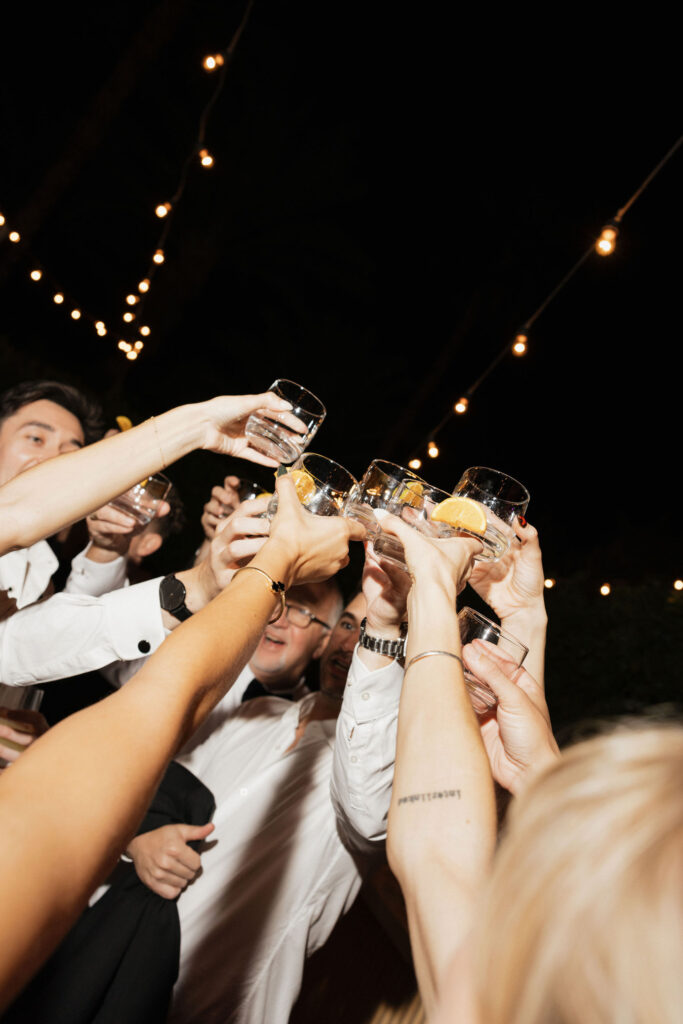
[{"x": 522, "y": 521}]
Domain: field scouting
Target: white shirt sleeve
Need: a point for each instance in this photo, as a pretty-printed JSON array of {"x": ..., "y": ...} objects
[
  {"x": 95, "y": 578},
  {"x": 73, "y": 633},
  {"x": 365, "y": 750}
]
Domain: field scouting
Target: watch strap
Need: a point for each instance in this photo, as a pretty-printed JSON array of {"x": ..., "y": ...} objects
[
  {"x": 380, "y": 645},
  {"x": 172, "y": 596}
]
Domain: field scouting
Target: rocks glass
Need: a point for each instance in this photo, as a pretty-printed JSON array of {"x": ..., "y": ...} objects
[
  {"x": 475, "y": 626},
  {"x": 271, "y": 436},
  {"x": 503, "y": 499}
]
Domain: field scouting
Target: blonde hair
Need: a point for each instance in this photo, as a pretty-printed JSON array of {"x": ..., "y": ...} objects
[{"x": 583, "y": 918}]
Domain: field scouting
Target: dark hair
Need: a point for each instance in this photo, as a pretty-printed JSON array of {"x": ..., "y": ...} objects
[{"x": 87, "y": 411}]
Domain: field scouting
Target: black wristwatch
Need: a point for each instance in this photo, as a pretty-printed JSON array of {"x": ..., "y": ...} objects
[
  {"x": 172, "y": 595},
  {"x": 390, "y": 648}
]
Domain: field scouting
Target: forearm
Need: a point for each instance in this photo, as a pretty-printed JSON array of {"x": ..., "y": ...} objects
[{"x": 80, "y": 482}]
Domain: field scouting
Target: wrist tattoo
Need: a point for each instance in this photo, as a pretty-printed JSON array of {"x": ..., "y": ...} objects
[{"x": 439, "y": 794}]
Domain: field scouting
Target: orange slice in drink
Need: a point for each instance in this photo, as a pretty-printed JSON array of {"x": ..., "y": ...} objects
[
  {"x": 304, "y": 483},
  {"x": 265, "y": 494},
  {"x": 412, "y": 494},
  {"x": 123, "y": 423},
  {"x": 462, "y": 514}
]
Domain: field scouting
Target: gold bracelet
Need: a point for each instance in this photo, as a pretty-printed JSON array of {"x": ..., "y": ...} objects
[
  {"x": 164, "y": 464},
  {"x": 429, "y": 654},
  {"x": 277, "y": 588}
]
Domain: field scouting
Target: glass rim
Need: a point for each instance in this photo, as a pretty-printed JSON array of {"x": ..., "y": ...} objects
[
  {"x": 337, "y": 465},
  {"x": 506, "y": 476},
  {"x": 430, "y": 487},
  {"x": 405, "y": 472},
  {"x": 495, "y": 626},
  {"x": 305, "y": 391}
]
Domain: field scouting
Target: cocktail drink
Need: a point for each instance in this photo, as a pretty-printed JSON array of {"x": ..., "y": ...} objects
[
  {"x": 475, "y": 626},
  {"x": 502, "y": 500},
  {"x": 423, "y": 507},
  {"x": 274, "y": 434},
  {"x": 142, "y": 501},
  {"x": 322, "y": 486},
  {"x": 375, "y": 491}
]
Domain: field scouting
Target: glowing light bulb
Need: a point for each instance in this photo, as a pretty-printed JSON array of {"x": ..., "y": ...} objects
[
  {"x": 124, "y": 346},
  {"x": 100, "y": 328},
  {"x": 461, "y": 405},
  {"x": 75, "y": 314},
  {"x": 432, "y": 450},
  {"x": 415, "y": 463},
  {"x": 163, "y": 209},
  {"x": 128, "y": 317},
  {"x": 36, "y": 275},
  {"x": 605, "y": 589},
  {"x": 158, "y": 256},
  {"x": 144, "y": 331},
  {"x": 131, "y": 299},
  {"x": 58, "y": 298},
  {"x": 206, "y": 158},
  {"x": 144, "y": 285},
  {"x": 678, "y": 584},
  {"x": 2, "y": 220},
  {"x": 213, "y": 61},
  {"x": 549, "y": 583},
  {"x": 132, "y": 354},
  {"x": 607, "y": 241},
  {"x": 519, "y": 346},
  {"x": 14, "y": 236},
  {"x": 138, "y": 345}
]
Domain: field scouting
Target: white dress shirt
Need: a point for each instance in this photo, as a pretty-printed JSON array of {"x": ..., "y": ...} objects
[
  {"x": 81, "y": 629},
  {"x": 283, "y": 863}
]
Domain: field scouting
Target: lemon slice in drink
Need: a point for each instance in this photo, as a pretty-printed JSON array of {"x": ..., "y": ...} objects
[
  {"x": 304, "y": 484},
  {"x": 123, "y": 423},
  {"x": 265, "y": 494},
  {"x": 462, "y": 514},
  {"x": 411, "y": 494}
]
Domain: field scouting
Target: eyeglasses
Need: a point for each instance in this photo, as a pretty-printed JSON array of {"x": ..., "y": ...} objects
[{"x": 301, "y": 617}]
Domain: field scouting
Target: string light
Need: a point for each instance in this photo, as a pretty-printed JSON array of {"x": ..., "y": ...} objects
[
  {"x": 58, "y": 298},
  {"x": 461, "y": 405},
  {"x": 205, "y": 158},
  {"x": 100, "y": 328},
  {"x": 606, "y": 243},
  {"x": 131, "y": 354},
  {"x": 605, "y": 589},
  {"x": 36, "y": 275},
  {"x": 144, "y": 331},
  {"x": 213, "y": 61},
  {"x": 132, "y": 299},
  {"x": 14, "y": 236},
  {"x": 163, "y": 209},
  {"x": 75, "y": 314},
  {"x": 415, "y": 463},
  {"x": 2, "y": 220},
  {"x": 138, "y": 345},
  {"x": 129, "y": 317},
  {"x": 678, "y": 584},
  {"x": 158, "y": 256},
  {"x": 144, "y": 285},
  {"x": 519, "y": 346},
  {"x": 432, "y": 450},
  {"x": 549, "y": 583},
  {"x": 125, "y": 346}
]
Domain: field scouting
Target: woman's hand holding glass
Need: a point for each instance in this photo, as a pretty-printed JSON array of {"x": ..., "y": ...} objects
[{"x": 225, "y": 421}]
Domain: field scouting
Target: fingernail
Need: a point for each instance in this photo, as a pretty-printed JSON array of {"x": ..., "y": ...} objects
[{"x": 522, "y": 521}]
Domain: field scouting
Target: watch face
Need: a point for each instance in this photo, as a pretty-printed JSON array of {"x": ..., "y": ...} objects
[{"x": 173, "y": 593}]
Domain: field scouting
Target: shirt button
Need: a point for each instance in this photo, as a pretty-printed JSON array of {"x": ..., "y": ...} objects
[
  {"x": 366, "y": 695},
  {"x": 354, "y": 759},
  {"x": 144, "y": 646}
]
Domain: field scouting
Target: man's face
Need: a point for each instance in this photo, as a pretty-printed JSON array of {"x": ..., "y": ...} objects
[
  {"x": 336, "y": 658},
  {"x": 285, "y": 650},
  {"x": 38, "y": 431}
]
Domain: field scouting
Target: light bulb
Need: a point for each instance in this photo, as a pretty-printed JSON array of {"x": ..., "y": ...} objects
[
  {"x": 14, "y": 236},
  {"x": 124, "y": 346},
  {"x": 132, "y": 354},
  {"x": 100, "y": 328},
  {"x": 163, "y": 209},
  {"x": 605, "y": 589},
  {"x": 519, "y": 346},
  {"x": 607, "y": 241},
  {"x": 213, "y": 61},
  {"x": 461, "y": 405},
  {"x": 144, "y": 285},
  {"x": 415, "y": 463},
  {"x": 678, "y": 584},
  {"x": 144, "y": 331},
  {"x": 131, "y": 299},
  {"x": 36, "y": 275},
  {"x": 549, "y": 583},
  {"x": 206, "y": 158},
  {"x": 158, "y": 256},
  {"x": 432, "y": 450},
  {"x": 58, "y": 298},
  {"x": 128, "y": 317},
  {"x": 75, "y": 314},
  {"x": 138, "y": 345},
  {"x": 2, "y": 220}
]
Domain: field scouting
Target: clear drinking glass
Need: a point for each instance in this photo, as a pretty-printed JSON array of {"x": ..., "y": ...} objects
[
  {"x": 375, "y": 490},
  {"x": 322, "y": 485},
  {"x": 12, "y": 698},
  {"x": 269, "y": 435},
  {"x": 142, "y": 501},
  {"x": 475, "y": 626},
  {"x": 414, "y": 502},
  {"x": 503, "y": 499}
]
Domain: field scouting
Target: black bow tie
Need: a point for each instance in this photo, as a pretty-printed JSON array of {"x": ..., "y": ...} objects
[{"x": 256, "y": 689}]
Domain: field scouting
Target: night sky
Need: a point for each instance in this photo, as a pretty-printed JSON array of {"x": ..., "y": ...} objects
[{"x": 385, "y": 211}]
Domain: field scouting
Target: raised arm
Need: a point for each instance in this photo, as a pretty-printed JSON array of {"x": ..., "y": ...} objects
[
  {"x": 94, "y": 773},
  {"x": 442, "y": 820},
  {"x": 80, "y": 482}
]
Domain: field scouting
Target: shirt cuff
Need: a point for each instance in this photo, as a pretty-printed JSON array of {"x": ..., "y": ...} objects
[
  {"x": 135, "y": 620},
  {"x": 95, "y": 578},
  {"x": 370, "y": 694}
]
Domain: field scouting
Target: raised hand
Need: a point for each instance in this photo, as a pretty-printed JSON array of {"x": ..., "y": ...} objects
[
  {"x": 226, "y": 419},
  {"x": 164, "y": 861},
  {"x": 514, "y": 583},
  {"x": 427, "y": 556},
  {"x": 238, "y": 538},
  {"x": 222, "y": 502}
]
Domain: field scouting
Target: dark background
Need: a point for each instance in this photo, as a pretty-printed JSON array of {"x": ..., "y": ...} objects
[{"x": 389, "y": 203}]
